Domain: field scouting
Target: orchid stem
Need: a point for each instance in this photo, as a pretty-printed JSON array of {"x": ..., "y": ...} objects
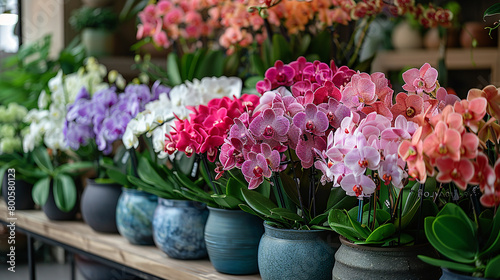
[
  {"x": 400, "y": 216},
  {"x": 209, "y": 174},
  {"x": 277, "y": 191},
  {"x": 313, "y": 190},
  {"x": 295, "y": 179},
  {"x": 360, "y": 210},
  {"x": 133, "y": 160}
]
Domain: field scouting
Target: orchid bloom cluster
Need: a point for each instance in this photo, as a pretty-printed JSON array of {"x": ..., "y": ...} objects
[
  {"x": 158, "y": 117},
  {"x": 451, "y": 144},
  {"x": 104, "y": 116},
  {"x": 168, "y": 20},
  {"x": 47, "y": 122},
  {"x": 241, "y": 22},
  {"x": 207, "y": 127},
  {"x": 334, "y": 119}
]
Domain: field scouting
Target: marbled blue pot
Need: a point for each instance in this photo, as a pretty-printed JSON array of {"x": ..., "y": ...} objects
[
  {"x": 134, "y": 216},
  {"x": 179, "y": 228},
  {"x": 295, "y": 254},
  {"x": 232, "y": 238},
  {"x": 451, "y": 275}
]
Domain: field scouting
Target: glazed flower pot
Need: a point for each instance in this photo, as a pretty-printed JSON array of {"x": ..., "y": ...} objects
[
  {"x": 179, "y": 228},
  {"x": 134, "y": 216},
  {"x": 366, "y": 262},
  {"x": 98, "y": 42},
  {"x": 53, "y": 213},
  {"x": 450, "y": 275},
  {"x": 295, "y": 254},
  {"x": 232, "y": 238},
  {"x": 98, "y": 206},
  {"x": 22, "y": 189}
]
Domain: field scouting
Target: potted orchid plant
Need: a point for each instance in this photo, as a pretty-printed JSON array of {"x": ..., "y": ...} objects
[
  {"x": 460, "y": 148},
  {"x": 95, "y": 123},
  {"x": 57, "y": 189}
]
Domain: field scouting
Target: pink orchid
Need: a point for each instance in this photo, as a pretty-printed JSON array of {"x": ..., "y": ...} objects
[
  {"x": 460, "y": 172},
  {"x": 444, "y": 98},
  {"x": 270, "y": 125},
  {"x": 300, "y": 88},
  {"x": 390, "y": 172},
  {"x": 362, "y": 157},
  {"x": 483, "y": 172},
  {"x": 255, "y": 168},
  {"x": 311, "y": 120},
  {"x": 408, "y": 106},
  {"x": 317, "y": 72},
  {"x": 490, "y": 197},
  {"x": 305, "y": 148},
  {"x": 443, "y": 142},
  {"x": 420, "y": 80},
  {"x": 299, "y": 65},
  {"x": 492, "y": 96},
  {"x": 335, "y": 112},
  {"x": 469, "y": 145},
  {"x": 378, "y": 107},
  {"x": 359, "y": 91},
  {"x": 359, "y": 186},
  {"x": 280, "y": 74},
  {"x": 472, "y": 111},
  {"x": 263, "y": 86},
  {"x": 382, "y": 88},
  {"x": 342, "y": 75},
  {"x": 326, "y": 169},
  {"x": 412, "y": 153}
]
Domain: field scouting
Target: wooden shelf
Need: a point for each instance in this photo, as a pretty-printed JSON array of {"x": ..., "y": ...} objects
[
  {"x": 456, "y": 59},
  {"x": 114, "y": 247}
]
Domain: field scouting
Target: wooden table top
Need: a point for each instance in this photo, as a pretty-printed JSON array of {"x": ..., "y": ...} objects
[{"x": 114, "y": 247}]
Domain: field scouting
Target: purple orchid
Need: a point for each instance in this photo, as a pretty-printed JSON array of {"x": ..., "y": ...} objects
[
  {"x": 280, "y": 74},
  {"x": 255, "y": 168},
  {"x": 335, "y": 112},
  {"x": 271, "y": 124},
  {"x": 311, "y": 120}
]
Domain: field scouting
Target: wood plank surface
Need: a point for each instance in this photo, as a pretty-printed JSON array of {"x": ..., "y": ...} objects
[{"x": 114, "y": 247}]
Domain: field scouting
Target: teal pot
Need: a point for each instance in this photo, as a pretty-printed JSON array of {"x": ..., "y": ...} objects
[
  {"x": 295, "y": 254},
  {"x": 179, "y": 228},
  {"x": 232, "y": 238},
  {"x": 134, "y": 216},
  {"x": 451, "y": 275},
  {"x": 98, "y": 205},
  {"x": 53, "y": 213},
  {"x": 392, "y": 263},
  {"x": 17, "y": 191}
]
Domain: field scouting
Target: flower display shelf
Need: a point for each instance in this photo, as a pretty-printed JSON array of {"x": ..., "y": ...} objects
[{"x": 147, "y": 262}]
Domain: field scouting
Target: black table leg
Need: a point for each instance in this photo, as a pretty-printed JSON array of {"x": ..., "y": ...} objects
[
  {"x": 72, "y": 265},
  {"x": 31, "y": 258}
]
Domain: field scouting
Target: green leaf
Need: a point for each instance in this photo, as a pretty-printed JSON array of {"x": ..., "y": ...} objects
[
  {"x": 339, "y": 222},
  {"x": 445, "y": 249},
  {"x": 257, "y": 65},
  {"x": 41, "y": 190},
  {"x": 492, "y": 270},
  {"x": 492, "y": 10},
  {"x": 287, "y": 214},
  {"x": 258, "y": 202},
  {"x": 226, "y": 201},
  {"x": 198, "y": 56},
  {"x": 74, "y": 167},
  {"x": 211, "y": 65},
  {"x": 249, "y": 210},
  {"x": 455, "y": 232},
  {"x": 251, "y": 82},
  {"x": 64, "y": 192},
  {"x": 304, "y": 43},
  {"x": 448, "y": 264},
  {"x": 197, "y": 197},
  {"x": 281, "y": 49},
  {"x": 381, "y": 233},
  {"x": 42, "y": 160},
  {"x": 493, "y": 244},
  {"x": 233, "y": 188},
  {"x": 173, "y": 71},
  {"x": 117, "y": 177}
]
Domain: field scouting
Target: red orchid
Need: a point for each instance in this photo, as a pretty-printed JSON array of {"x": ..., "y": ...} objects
[{"x": 483, "y": 172}]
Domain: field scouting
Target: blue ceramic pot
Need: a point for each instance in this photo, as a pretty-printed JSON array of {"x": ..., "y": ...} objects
[
  {"x": 134, "y": 216},
  {"x": 450, "y": 275},
  {"x": 232, "y": 238},
  {"x": 295, "y": 254},
  {"x": 179, "y": 228},
  {"x": 98, "y": 205}
]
